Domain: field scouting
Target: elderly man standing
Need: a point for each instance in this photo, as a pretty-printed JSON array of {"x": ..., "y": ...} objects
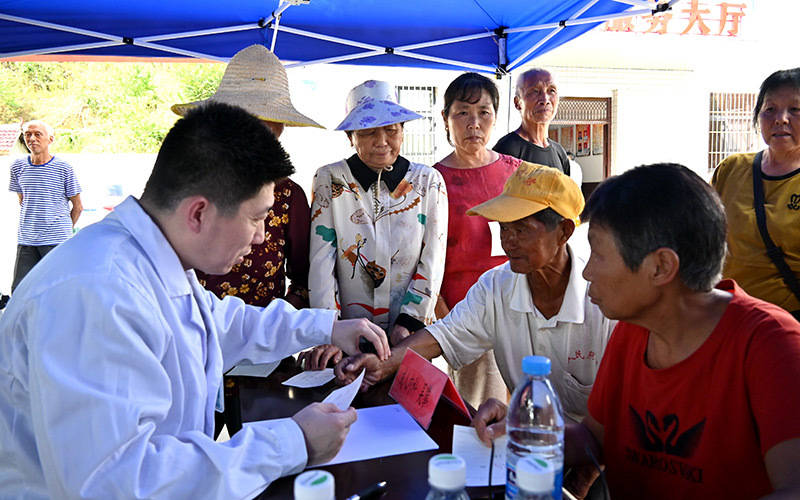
[
  {"x": 113, "y": 335},
  {"x": 536, "y": 99},
  {"x": 536, "y": 303},
  {"x": 46, "y": 185}
]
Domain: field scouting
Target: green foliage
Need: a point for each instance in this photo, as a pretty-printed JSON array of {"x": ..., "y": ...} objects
[
  {"x": 103, "y": 107},
  {"x": 199, "y": 80}
]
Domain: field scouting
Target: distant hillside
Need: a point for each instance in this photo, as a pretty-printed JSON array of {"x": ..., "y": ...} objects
[{"x": 103, "y": 107}]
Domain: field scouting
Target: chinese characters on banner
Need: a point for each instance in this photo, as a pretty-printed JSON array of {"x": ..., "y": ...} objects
[{"x": 693, "y": 17}]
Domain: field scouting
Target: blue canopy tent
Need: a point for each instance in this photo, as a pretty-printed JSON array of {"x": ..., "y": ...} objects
[{"x": 484, "y": 35}]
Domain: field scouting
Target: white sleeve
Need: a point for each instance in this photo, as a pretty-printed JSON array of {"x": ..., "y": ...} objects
[
  {"x": 106, "y": 417},
  {"x": 265, "y": 334},
  {"x": 424, "y": 290},
  {"x": 467, "y": 331},
  {"x": 322, "y": 287}
]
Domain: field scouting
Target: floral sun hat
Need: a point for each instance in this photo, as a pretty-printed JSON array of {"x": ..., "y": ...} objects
[{"x": 374, "y": 104}]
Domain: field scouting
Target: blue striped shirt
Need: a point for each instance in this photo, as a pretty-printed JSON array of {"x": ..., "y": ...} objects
[{"x": 44, "y": 216}]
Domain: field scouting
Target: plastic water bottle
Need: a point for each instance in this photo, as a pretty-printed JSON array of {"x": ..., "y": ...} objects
[
  {"x": 534, "y": 479},
  {"x": 535, "y": 425},
  {"x": 447, "y": 476},
  {"x": 314, "y": 485}
]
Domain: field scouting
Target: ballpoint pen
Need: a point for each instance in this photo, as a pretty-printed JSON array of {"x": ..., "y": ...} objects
[{"x": 373, "y": 491}]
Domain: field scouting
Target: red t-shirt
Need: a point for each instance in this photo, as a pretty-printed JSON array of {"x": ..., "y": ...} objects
[
  {"x": 469, "y": 241},
  {"x": 700, "y": 428}
]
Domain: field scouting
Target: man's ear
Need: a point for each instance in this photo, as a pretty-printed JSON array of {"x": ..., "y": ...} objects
[
  {"x": 566, "y": 227},
  {"x": 195, "y": 211},
  {"x": 663, "y": 266},
  {"x": 516, "y": 103}
]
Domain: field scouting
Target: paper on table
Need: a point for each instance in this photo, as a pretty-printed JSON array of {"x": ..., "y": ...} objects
[
  {"x": 467, "y": 446},
  {"x": 343, "y": 396},
  {"x": 311, "y": 378},
  {"x": 383, "y": 431},
  {"x": 248, "y": 370}
]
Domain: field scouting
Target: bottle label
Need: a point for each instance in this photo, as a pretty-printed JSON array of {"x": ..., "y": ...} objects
[
  {"x": 512, "y": 490},
  {"x": 511, "y": 481}
]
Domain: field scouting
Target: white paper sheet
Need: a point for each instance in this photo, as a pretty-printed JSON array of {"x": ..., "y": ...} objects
[
  {"x": 311, "y": 378},
  {"x": 343, "y": 396},
  {"x": 260, "y": 370},
  {"x": 497, "y": 248},
  {"x": 467, "y": 446},
  {"x": 383, "y": 431}
]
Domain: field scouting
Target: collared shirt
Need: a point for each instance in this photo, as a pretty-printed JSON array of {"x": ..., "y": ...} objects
[
  {"x": 111, "y": 368},
  {"x": 498, "y": 313},
  {"x": 44, "y": 217},
  {"x": 366, "y": 176},
  {"x": 376, "y": 253}
]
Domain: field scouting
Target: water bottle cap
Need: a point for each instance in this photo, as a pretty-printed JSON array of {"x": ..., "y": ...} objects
[
  {"x": 314, "y": 485},
  {"x": 536, "y": 365},
  {"x": 447, "y": 472},
  {"x": 535, "y": 475}
]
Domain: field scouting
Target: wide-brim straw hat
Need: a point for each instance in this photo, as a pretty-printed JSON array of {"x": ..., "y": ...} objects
[
  {"x": 373, "y": 104},
  {"x": 531, "y": 189},
  {"x": 256, "y": 80}
]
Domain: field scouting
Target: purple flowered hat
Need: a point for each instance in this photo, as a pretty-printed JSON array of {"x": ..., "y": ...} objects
[{"x": 374, "y": 104}]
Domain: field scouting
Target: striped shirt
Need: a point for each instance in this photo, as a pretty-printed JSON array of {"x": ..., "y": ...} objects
[{"x": 44, "y": 216}]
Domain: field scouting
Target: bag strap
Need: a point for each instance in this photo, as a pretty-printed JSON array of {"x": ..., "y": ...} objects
[{"x": 774, "y": 252}]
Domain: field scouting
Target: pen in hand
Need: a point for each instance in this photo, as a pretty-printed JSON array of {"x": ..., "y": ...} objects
[{"x": 374, "y": 491}]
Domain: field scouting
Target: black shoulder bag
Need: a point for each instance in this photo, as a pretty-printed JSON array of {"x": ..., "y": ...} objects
[{"x": 774, "y": 252}]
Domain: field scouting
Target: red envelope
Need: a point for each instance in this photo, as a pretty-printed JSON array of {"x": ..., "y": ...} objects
[{"x": 418, "y": 385}]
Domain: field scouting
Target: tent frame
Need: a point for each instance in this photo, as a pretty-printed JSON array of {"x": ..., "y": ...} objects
[{"x": 272, "y": 22}]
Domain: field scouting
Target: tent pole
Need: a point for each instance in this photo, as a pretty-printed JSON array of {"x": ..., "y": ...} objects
[
  {"x": 174, "y": 50},
  {"x": 64, "y": 48},
  {"x": 60, "y": 27},
  {"x": 327, "y": 60},
  {"x": 445, "y": 41},
  {"x": 441, "y": 60},
  {"x": 188, "y": 34},
  {"x": 334, "y": 39}
]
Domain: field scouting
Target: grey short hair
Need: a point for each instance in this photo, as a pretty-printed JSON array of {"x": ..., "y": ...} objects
[{"x": 46, "y": 127}]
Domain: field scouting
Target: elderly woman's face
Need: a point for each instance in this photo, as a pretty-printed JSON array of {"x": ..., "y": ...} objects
[
  {"x": 378, "y": 147},
  {"x": 779, "y": 119},
  {"x": 470, "y": 124}
]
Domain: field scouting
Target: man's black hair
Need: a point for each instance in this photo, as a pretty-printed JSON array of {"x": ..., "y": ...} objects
[
  {"x": 549, "y": 217},
  {"x": 217, "y": 151},
  {"x": 664, "y": 205}
]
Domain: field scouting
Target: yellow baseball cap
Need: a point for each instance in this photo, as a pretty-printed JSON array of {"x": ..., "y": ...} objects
[{"x": 531, "y": 189}]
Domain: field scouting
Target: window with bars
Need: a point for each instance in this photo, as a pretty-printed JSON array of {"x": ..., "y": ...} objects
[
  {"x": 419, "y": 137},
  {"x": 730, "y": 126}
]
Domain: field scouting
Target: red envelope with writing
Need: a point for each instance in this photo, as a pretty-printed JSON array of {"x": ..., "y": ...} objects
[{"x": 418, "y": 385}]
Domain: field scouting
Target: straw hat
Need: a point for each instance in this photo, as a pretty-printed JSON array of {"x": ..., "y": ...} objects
[
  {"x": 531, "y": 189},
  {"x": 256, "y": 81},
  {"x": 373, "y": 104}
]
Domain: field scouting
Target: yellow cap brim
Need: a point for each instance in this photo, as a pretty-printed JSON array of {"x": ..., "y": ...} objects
[{"x": 505, "y": 208}]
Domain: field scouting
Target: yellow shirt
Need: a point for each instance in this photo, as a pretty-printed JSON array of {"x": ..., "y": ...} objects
[{"x": 747, "y": 260}]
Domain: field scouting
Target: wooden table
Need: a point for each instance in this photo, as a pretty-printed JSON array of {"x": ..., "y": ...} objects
[{"x": 407, "y": 474}]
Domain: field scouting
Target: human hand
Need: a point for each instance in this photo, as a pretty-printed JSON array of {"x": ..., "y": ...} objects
[
  {"x": 398, "y": 333},
  {"x": 346, "y": 333},
  {"x": 325, "y": 427},
  {"x": 318, "y": 357},
  {"x": 350, "y": 368},
  {"x": 490, "y": 420}
]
